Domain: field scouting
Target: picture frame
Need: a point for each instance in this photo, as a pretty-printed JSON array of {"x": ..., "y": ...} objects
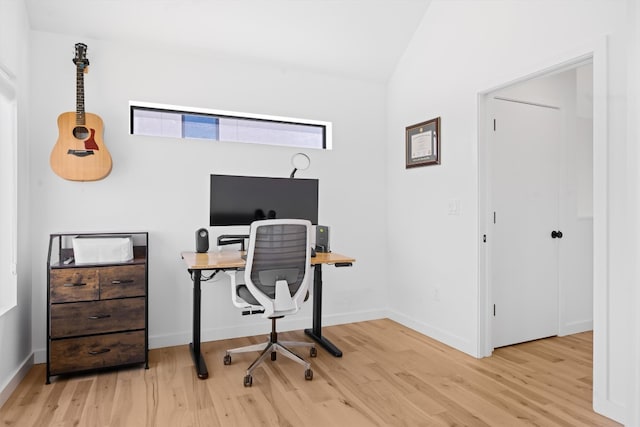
[{"x": 423, "y": 143}]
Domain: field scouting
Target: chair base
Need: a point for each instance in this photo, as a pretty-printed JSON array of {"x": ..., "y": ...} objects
[{"x": 272, "y": 347}]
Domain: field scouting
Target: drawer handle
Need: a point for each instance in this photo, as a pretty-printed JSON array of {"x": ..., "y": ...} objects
[
  {"x": 97, "y": 352},
  {"x": 99, "y": 316},
  {"x": 121, "y": 282},
  {"x": 71, "y": 285}
]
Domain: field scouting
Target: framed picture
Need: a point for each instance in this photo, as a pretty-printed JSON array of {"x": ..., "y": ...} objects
[{"x": 423, "y": 143}]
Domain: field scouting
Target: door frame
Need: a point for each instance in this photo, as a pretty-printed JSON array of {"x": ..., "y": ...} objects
[{"x": 596, "y": 52}]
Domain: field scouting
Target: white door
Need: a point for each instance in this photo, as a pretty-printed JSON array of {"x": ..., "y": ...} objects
[{"x": 523, "y": 179}]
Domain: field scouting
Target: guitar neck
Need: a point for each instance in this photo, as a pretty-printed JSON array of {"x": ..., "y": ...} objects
[{"x": 80, "y": 119}]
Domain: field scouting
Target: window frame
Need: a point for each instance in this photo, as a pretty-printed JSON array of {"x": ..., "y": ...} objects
[
  {"x": 8, "y": 184},
  {"x": 327, "y": 143}
]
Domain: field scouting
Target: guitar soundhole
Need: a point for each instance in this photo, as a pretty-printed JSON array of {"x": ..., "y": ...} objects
[{"x": 81, "y": 132}]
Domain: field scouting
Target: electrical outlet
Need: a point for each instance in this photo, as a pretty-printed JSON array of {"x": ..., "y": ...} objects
[{"x": 454, "y": 207}]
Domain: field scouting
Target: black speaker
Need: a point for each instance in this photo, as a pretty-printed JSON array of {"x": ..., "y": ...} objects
[
  {"x": 202, "y": 240},
  {"x": 322, "y": 239}
]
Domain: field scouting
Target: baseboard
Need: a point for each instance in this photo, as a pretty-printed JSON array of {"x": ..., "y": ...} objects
[
  {"x": 12, "y": 383},
  {"x": 40, "y": 356},
  {"x": 576, "y": 327},
  {"x": 261, "y": 326},
  {"x": 444, "y": 337},
  {"x": 609, "y": 409}
]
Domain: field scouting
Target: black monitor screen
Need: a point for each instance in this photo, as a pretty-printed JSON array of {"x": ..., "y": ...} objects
[{"x": 240, "y": 200}]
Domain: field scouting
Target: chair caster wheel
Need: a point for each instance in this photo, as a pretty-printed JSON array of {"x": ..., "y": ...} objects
[
  {"x": 227, "y": 359},
  {"x": 273, "y": 355},
  {"x": 308, "y": 374},
  {"x": 313, "y": 352},
  {"x": 248, "y": 380}
]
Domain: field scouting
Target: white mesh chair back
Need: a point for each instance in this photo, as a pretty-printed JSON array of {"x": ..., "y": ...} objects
[{"x": 278, "y": 270}]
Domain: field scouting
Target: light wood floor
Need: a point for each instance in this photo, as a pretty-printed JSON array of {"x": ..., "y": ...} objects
[{"x": 388, "y": 376}]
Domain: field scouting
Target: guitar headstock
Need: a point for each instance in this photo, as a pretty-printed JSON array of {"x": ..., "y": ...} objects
[{"x": 81, "y": 60}]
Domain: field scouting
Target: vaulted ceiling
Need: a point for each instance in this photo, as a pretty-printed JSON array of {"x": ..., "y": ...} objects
[{"x": 358, "y": 38}]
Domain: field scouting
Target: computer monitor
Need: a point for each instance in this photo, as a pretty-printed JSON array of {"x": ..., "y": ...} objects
[{"x": 240, "y": 200}]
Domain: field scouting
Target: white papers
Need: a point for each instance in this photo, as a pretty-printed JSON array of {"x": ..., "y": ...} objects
[{"x": 421, "y": 145}]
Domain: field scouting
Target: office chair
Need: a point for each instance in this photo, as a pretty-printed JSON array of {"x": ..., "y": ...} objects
[{"x": 277, "y": 276}]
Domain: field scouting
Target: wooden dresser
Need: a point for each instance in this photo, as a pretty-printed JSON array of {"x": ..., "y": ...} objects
[{"x": 97, "y": 312}]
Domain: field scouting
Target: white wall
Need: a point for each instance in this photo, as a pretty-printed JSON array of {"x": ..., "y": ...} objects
[
  {"x": 15, "y": 325},
  {"x": 461, "y": 49},
  {"x": 161, "y": 185}
]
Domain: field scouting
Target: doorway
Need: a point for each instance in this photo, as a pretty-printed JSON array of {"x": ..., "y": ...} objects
[
  {"x": 537, "y": 165},
  {"x": 524, "y": 169}
]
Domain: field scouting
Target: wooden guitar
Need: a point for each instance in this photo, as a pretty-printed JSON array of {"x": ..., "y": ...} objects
[{"x": 80, "y": 153}]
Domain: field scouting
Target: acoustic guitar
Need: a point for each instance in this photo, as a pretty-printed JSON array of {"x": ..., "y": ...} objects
[{"x": 80, "y": 153}]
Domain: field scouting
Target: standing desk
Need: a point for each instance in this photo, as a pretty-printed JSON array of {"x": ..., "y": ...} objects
[{"x": 232, "y": 260}]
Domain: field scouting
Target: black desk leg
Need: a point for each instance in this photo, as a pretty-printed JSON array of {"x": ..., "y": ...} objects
[
  {"x": 316, "y": 331},
  {"x": 198, "y": 360}
]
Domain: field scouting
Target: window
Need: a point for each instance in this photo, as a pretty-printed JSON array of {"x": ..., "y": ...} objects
[
  {"x": 8, "y": 193},
  {"x": 185, "y": 122}
]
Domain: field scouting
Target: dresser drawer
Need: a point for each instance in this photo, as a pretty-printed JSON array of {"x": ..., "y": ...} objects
[
  {"x": 73, "y": 284},
  {"x": 122, "y": 281},
  {"x": 95, "y": 317},
  {"x": 102, "y": 351}
]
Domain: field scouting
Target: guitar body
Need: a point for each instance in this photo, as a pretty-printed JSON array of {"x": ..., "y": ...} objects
[{"x": 80, "y": 153}]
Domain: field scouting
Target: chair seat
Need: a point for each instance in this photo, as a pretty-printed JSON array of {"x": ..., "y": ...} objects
[{"x": 243, "y": 292}]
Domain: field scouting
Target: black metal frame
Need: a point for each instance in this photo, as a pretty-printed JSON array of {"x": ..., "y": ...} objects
[{"x": 315, "y": 332}]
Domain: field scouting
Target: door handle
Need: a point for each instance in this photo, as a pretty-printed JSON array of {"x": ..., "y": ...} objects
[{"x": 556, "y": 234}]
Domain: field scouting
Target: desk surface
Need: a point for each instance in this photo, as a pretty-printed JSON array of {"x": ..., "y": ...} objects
[{"x": 232, "y": 259}]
